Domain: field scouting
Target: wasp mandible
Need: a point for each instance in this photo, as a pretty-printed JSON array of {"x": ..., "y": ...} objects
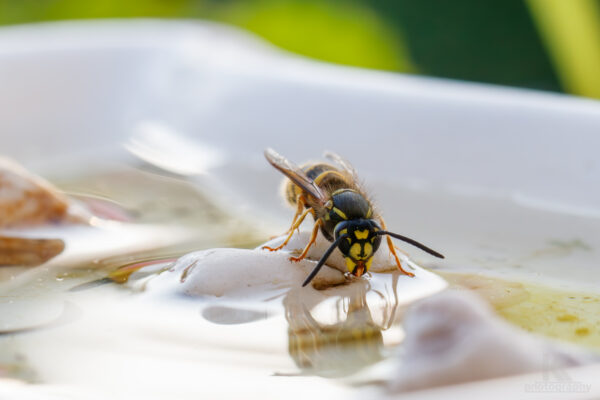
[{"x": 340, "y": 209}]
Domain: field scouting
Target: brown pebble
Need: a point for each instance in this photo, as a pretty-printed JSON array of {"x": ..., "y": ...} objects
[{"x": 28, "y": 252}]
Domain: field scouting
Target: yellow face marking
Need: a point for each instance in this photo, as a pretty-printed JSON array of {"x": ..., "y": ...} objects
[
  {"x": 343, "y": 231},
  {"x": 370, "y": 212},
  {"x": 369, "y": 262},
  {"x": 339, "y": 212},
  {"x": 368, "y": 249},
  {"x": 355, "y": 251},
  {"x": 361, "y": 234},
  {"x": 350, "y": 264}
]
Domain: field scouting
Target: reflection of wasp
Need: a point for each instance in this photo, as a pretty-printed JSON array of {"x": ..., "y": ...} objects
[
  {"x": 351, "y": 341},
  {"x": 341, "y": 211}
]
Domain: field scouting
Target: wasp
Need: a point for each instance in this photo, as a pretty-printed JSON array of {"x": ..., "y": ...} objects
[{"x": 341, "y": 211}]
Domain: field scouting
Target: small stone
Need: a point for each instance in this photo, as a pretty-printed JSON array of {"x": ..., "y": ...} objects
[
  {"x": 27, "y": 200},
  {"x": 455, "y": 337},
  {"x": 28, "y": 252},
  {"x": 239, "y": 272}
]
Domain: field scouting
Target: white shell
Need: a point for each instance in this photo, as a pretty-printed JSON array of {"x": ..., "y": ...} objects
[
  {"x": 245, "y": 273},
  {"x": 239, "y": 273}
]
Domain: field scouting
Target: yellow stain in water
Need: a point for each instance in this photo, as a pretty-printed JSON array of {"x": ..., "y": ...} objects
[{"x": 570, "y": 316}]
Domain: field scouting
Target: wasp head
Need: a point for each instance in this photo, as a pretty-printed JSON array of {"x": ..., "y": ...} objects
[{"x": 360, "y": 243}]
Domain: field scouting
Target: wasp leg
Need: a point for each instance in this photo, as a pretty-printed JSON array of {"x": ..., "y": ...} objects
[
  {"x": 393, "y": 250},
  {"x": 291, "y": 231},
  {"x": 313, "y": 237},
  {"x": 301, "y": 202}
]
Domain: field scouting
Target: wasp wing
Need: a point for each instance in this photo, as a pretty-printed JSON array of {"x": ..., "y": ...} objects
[
  {"x": 336, "y": 158},
  {"x": 295, "y": 174},
  {"x": 347, "y": 168}
]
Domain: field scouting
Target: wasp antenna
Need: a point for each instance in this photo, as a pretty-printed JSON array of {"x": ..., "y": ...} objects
[
  {"x": 411, "y": 241},
  {"x": 323, "y": 259}
]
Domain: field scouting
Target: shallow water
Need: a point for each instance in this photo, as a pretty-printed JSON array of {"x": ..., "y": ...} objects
[
  {"x": 573, "y": 316},
  {"x": 73, "y": 322}
]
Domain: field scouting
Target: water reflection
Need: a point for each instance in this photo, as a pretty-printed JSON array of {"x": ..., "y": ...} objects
[
  {"x": 335, "y": 336},
  {"x": 224, "y": 315}
]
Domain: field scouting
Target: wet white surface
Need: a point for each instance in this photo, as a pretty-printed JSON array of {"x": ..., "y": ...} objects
[{"x": 501, "y": 181}]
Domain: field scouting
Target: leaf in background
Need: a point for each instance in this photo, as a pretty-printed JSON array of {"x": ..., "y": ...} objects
[
  {"x": 338, "y": 32},
  {"x": 19, "y": 11},
  {"x": 571, "y": 31}
]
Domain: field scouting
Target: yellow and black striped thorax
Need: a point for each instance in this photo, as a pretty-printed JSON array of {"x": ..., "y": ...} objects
[{"x": 345, "y": 205}]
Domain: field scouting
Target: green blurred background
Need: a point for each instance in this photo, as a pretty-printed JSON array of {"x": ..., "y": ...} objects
[{"x": 543, "y": 44}]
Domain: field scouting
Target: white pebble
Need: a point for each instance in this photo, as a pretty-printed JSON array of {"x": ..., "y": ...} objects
[{"x": 455, "y": 337}]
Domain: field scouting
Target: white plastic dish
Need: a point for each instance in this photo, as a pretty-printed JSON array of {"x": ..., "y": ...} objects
[{"x": 499, "y": 179}]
